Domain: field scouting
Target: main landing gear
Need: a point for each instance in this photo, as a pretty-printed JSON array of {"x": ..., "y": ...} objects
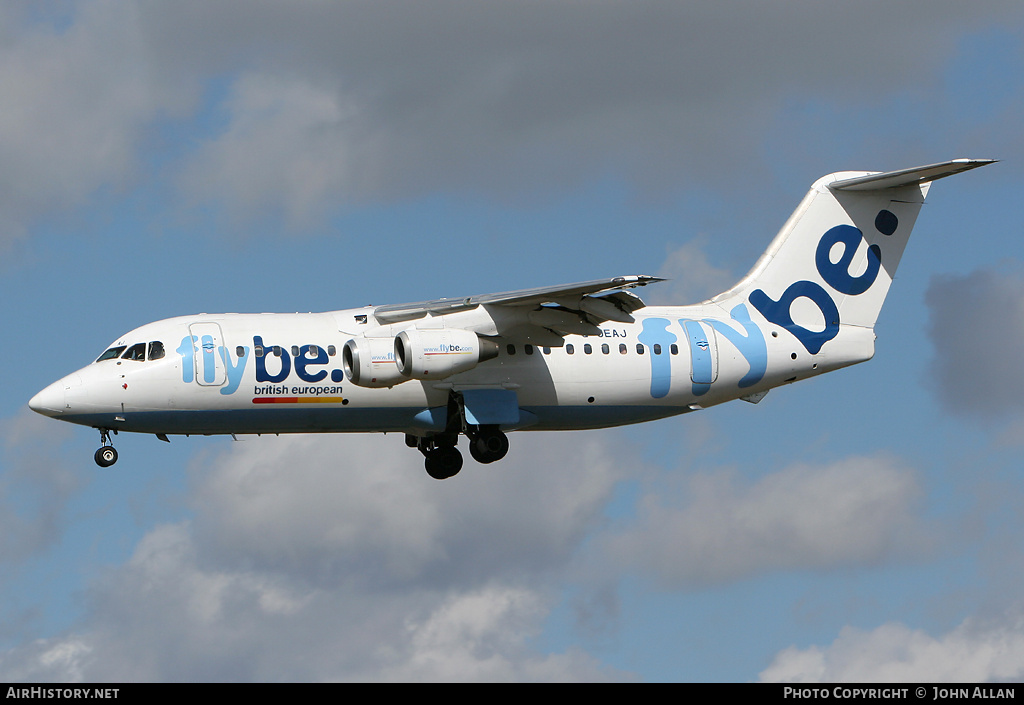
[
  {"x": 487, "y": 444},
  {"x": 105, "y": 456},
  {"x": 442, "y": 457}
]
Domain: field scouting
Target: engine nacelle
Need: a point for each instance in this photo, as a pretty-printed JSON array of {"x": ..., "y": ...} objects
[
  {"x": 436, "y": 354},
  {"x": 370, "y": 362}
]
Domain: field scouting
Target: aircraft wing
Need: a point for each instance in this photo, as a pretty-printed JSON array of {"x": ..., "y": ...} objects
[{"x": 569, "y": 308}]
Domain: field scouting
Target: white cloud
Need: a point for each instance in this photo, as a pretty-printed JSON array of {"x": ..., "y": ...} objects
[
  {"x": 973, "y": 652},
  {"x": 77, "y": 101},
  {"x": 977, "y": 327},
  {"x": 859, "y": 510},
  {"x": 481, "y": 636},
  {"x": 337, "y": 558},
  {"x": 36, "y": 486},
  {"x": 512, "y": 100},
  {"x": 48, "y": 660},
  {"x": 318, "y": 104},
  {"x": 201, "y": 625},
  {"x": 522, "y": 99},
  {"x": 362, "y": 507},
  {"x": 692, "y": 278},
  {"x": 288, "y": 146}
]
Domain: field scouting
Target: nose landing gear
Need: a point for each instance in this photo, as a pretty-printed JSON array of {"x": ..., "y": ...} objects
[{"x": 107, "y": 455}]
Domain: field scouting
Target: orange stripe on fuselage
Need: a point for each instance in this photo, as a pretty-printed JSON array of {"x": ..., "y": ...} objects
[{"x": 297, "y": 400}]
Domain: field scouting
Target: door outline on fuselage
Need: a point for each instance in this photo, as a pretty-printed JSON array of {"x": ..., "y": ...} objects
[
  {"x": 208, "y": 354},
  {"x": 703, "y": 355}
]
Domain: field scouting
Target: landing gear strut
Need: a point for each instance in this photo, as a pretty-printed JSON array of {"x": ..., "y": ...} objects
[
  {"x": 487, "y": 443},
  {"x": 105, "y": 456}
]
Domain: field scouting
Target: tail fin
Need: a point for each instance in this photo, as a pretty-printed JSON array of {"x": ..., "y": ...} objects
[{"x": 839, "y": 250}]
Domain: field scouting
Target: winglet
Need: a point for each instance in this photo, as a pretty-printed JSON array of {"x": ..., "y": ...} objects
[{"x": 907, "y": 177}]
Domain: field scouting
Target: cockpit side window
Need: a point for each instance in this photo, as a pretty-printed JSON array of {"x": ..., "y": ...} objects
[
  {"x": 135, "y": 352},
  {"x": 156, "y": 350},
  {"x": 111, "y": 353}
]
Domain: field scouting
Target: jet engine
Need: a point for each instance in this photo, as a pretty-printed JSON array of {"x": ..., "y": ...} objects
[
  {"x": 436, "y": 354},
  {"x": 370, "y": 362}
]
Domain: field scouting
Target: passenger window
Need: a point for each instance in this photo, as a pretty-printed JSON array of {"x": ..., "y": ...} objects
[
  {"x": 135, "y": 352},
  {"x": 314, "y": 351},
  {"x": 156, "y": 350},
  {"x": 528, "y": 348},
  {"x": 257, "y": 350},
  {"x": 295, "y": 351},
  {"x": 510, "y": 349},
  {"x": 622, "y": 348},
  {"x": 547, "y": 350},
  {"x": 111, "y": 354},
  {"x": 240, "y": 351},
  {"x": 331, "y": 350},
  {"x": 639, "y": 349},
  {"x": 674, "y": 349},
  {"x": 277, "y": 351},
  {"x": 604, "y": 348},
  {"x": 587, "y": 349},
  {"x": 569, "y": 349},
  {"x": 657, "y": 348}
]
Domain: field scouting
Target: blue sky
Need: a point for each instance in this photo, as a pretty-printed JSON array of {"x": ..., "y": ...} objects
[{"x": 161, "y": 160}]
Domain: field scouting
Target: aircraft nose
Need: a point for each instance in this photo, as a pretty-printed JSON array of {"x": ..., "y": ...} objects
[{"x": 50, "y": 401}]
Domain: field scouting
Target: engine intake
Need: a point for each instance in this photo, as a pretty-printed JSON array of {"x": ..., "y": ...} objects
[
  {"x": 370, "y": 362},
  {"x": 436, "y": 354}
]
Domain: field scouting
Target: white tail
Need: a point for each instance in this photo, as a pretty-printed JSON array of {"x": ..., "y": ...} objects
[{"x": 833, "y": 261}]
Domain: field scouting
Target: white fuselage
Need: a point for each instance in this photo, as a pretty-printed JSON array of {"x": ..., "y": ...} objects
[
  {"x": 210, "y": 379},
  {"x": 575, "y": 356}
]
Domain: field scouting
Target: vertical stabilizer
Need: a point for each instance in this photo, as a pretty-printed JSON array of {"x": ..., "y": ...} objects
[{"x": 834, "y": 259}]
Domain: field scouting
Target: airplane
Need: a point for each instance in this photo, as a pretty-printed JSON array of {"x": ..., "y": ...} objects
[{"x": 578, "y": 356}]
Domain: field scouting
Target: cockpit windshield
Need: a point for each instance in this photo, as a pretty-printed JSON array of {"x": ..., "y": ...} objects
[
  {"x": 111, "y": 353},
  {"x": 135, "y": 352}
]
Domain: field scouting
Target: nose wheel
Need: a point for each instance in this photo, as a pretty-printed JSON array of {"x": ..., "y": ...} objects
[{"x": 107, "y": 455}]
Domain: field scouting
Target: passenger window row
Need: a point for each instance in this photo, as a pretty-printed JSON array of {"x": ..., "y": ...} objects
[
  {"x": 277, "y": 350},
  {"x": 588, "y": 349},
  {"x": 154, "y": 350}
]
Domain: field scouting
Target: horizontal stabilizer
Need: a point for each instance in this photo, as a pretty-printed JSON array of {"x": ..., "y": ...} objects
[{"x": 907, "y": 177}]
